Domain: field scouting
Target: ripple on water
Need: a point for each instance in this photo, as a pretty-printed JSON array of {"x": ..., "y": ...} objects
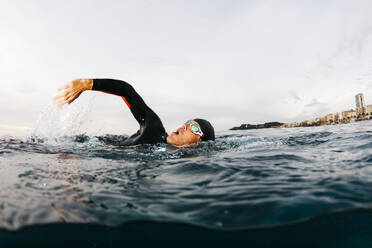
[{"x": 252, "y": 178}]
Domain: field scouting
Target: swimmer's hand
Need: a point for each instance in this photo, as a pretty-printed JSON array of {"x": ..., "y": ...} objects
[{"x": 69, "y": 92}]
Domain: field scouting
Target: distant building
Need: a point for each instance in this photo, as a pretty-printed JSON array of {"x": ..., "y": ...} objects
[
  {"x": 310, "y": 122},
  {"x": 369, "y": 109},
  {"x": 361, "y": 113},
  {"x": 336, "y": 118},
  {"x": 360, "y": 104},
  {"x": 294, "y": 124},
  {"x": 329, "y": 119},
  {"x": 348, "y": 115},
  {"x": 322, "y": 120}
]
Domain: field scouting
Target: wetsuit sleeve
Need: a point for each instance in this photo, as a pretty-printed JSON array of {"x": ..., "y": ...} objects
[{"x": 134, "y": 101}]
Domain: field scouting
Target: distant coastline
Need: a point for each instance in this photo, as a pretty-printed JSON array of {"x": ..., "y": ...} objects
[
  {"x": 362, "y": 112},
  {"x": 274, "y": 124}
]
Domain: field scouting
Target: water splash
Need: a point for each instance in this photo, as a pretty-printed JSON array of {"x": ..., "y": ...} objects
[{"x": 54, "y": 123}]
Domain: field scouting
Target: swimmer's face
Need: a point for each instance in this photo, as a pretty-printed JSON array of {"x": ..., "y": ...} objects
[{"x": 183, "y": 136}]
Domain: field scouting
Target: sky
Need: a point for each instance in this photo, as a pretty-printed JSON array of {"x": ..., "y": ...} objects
[{"x": 230, "y": 62}]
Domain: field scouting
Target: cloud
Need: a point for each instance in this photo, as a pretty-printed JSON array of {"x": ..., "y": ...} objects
[
  {"x": 250, "y": 61},
  {"x": 314, "y": 102},
  {"x": 295, "y": 96}
]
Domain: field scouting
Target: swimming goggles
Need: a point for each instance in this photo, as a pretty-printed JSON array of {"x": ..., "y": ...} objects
[{"x": 194, "y": 128}]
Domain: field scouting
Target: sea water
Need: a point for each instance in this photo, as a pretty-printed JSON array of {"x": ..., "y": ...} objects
[{"x": 245, "y": 180}]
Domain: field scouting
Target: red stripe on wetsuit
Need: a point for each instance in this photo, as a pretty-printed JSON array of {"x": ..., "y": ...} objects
[{"x": 124, "y": 99}]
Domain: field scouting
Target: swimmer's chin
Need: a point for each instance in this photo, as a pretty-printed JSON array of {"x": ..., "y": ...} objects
[{"x": 192, "y": 145}]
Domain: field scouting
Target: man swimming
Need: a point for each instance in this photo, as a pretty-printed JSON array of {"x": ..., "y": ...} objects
[{"x": 151, "y": 128}]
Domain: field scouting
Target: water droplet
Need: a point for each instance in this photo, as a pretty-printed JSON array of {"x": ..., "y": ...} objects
[{"x": 219, "y": 224}]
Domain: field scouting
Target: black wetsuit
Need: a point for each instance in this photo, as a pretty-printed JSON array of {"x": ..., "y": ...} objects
[{"x": 151, "y": 128}]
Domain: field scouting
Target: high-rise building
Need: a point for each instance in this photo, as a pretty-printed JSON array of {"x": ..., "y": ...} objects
[{"x": 360, "y": 105}]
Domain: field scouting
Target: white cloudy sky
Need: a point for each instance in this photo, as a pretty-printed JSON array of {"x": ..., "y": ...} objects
[{"x": 231, "y": 62}]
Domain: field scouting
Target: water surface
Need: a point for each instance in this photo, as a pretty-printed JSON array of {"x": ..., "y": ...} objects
[{"x": 245, "y": 179}]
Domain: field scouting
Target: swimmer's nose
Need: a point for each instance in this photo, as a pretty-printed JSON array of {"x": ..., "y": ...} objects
[{"x": 181, "y": 129}]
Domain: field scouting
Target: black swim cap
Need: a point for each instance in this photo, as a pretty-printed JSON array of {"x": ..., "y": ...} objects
[{"x": 206, "y": 128}]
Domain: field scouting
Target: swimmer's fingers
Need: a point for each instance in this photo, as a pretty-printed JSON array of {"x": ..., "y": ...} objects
[
  {"x": 72, "y": 86},
  {"x": 73, "y": 97},
  {"x": 69, "y": 92},
  {"x": 62, "y": 98},
  {"x": 59, "y": 100},
  {"x": 64, "y": 87}
]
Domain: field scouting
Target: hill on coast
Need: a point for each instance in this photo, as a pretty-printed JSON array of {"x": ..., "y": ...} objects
[{"x": 257, "y": 126}]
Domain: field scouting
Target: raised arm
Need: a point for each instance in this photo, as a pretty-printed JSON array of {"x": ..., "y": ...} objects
[{"x": 134, "y": 101}]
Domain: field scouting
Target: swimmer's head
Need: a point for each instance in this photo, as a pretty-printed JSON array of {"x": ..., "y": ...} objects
[{"x": 192, "y": 131}]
